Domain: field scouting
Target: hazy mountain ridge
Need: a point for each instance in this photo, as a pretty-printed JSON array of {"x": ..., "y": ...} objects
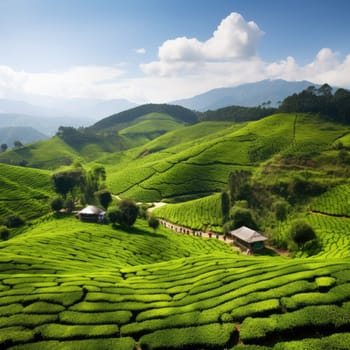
[
  {"x": 248, "y": 95},
  {"x": 24, "y": 134}
]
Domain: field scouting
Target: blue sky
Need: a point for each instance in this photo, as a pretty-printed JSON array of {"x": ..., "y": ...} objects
[{"x": 162, "y": 50}]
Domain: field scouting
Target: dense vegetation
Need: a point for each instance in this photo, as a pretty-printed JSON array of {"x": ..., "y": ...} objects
[{"x": 334, "y": 106}]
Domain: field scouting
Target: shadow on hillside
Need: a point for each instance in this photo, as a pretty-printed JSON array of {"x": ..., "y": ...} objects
[
  {"x": 137, "y": 231},
  {"x": 266, "y": 252}
]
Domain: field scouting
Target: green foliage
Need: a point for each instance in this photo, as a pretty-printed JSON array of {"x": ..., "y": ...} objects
[
  {"x": 4, "y": 233},
  {"x": 105, "y": 198},
  {"x": 60, "y": 331},
  {"x": 116, "y": 121},
  {"x": 253, "y": 329},
  {"x": 301, "y": 232},
  {"x": 128, "y": 212},
  {"x": 57, "y": 204},
  {"x": 281, "y": 210},
  {"x": 242, "y": 217},
  {"x": 334, "y": 202},
  {"x": 197, "y": 214},
  {"x": 237, "y": 113},
  {"x": 153, "y": 222},
  {"x": 320, "y": 100},
  {"x": 66, "y": 181},
  {"x": 14, "y": 221},
  {"x": 113, "y": 317},
  {"x": 213, "y": 335},
  {"x": 238, "y": 184}
]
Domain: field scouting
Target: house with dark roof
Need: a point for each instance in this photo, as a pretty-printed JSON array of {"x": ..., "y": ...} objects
[
  {"x": 91, "y": 213},
  {"x": 247, "y": 238}
]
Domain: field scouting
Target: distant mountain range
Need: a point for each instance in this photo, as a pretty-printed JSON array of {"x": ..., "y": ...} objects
[
  {"x": 21, "y": 133},
  {"x": 50, "y": 113},
  {"x": 46, "y": 114},
  {"x": 249, "y": 95}
]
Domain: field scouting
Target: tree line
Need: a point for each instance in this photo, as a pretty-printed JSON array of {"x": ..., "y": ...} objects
[{"x": 334, "y": 106}]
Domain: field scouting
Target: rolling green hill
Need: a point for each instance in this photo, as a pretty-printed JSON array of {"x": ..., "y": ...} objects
[
  {"x": 124, "y": 119},
  {"x": 24, "y": 192},
  {"x": 47, "y": 154},
  {"x": 201, "y": 166},
  {"x": 70, "y": 285}
]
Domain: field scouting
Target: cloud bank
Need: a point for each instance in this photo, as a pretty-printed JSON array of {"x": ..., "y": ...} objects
[{"x": 185, "y": 67}]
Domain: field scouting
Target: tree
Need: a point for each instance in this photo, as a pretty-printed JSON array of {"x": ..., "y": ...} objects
[
  {"x": 225, "y": 206},
  {"x": 3, "y": 147},
  {"x": 14, "y": 221},
  {"x": 57, "y": 204},
  {"x": 238, "y": 183},
  {"x": 93, "y": 182},
  {"x": 301, "y": 232},
  {"x": 17, "y": 144},
  {"x": 281, "y": 210},
  {"x": 129, "y": 211},
  {"x": 153, "y": 222},
  {"x": 243, "y": 217},
  {"x": 4, "y": 233},
  {"x": 105, "y": 198},
  {"x": 114, "y": 216},
  {"x": 66, "y": 181}
]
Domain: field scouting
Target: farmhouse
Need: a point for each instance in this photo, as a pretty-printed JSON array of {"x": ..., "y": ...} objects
[
  {"x": 91, "y": 213},
  {"x": 248, "y": 238}
]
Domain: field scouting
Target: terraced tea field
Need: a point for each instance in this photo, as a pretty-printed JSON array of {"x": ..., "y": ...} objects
[
  {"x": 24, "y": 191},
  {"x": 194, "y": 214},
  {"x": 70, "y": 285},
  {"x": 334, "y": 202}
]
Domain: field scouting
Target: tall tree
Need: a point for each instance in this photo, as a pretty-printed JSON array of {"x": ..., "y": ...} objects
[
  {"x": 17, "y": 144},
  {"x": 105, "y": 198},
  {"x": 129, "y": 211},
  {"x": 66, "y": 181},
  {"x": 3, "y": 147}
]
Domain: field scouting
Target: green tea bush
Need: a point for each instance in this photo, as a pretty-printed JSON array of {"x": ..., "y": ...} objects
[
  {"x": 253, "y": 329},
  {"x": 42, "y": 307},
  {"x": 337, "y": 294},
  {"x": 213, "y": 335},
  {"x": 88, "y": 344},
  {"x": 258, "y": 308},
  {"x": 59, "y": 331},
  {"x": 26, "y": 320},
  {"x": 337, "y": 341},
  {"x": 114, "y": 317}
]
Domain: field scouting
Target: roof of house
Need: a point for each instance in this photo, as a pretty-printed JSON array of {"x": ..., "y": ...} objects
[
  {"x": 91, "y": 210},
  {"x": 248, "y": 235}
]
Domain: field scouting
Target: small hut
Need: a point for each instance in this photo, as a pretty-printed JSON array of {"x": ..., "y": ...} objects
[
  {"x": 247, "y": 238},
  {"x": 91, "y": 213}
]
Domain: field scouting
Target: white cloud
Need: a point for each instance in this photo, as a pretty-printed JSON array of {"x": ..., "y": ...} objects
[
  {"x": 185, "y": 67},
  {"x": 233, "y": 39},
  {"x": 141, "y": 51},
  {"x": 74, "y": 82}
]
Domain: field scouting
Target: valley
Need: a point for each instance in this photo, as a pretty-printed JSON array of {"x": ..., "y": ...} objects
[{"x": 68, "y": 284}]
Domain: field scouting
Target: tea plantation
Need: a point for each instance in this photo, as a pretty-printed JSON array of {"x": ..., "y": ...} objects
[
  {"x": 65, "y": 284},
  {"x": 71, "y": 285}
]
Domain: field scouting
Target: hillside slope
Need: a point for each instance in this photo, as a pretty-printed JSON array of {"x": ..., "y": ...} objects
[
  {"x": 25, "y": 135},
  {"x": 69, "y": 285},
  {"x": 202, "y": 166},
  {"x": 24, "y": 192},
  {"x": 125, "y": 118}
]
